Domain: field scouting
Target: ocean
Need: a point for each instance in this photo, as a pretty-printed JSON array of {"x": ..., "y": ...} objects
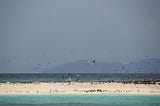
[
  {"x": 84, "y": 77},
  {"x": 78, "y": 100}
]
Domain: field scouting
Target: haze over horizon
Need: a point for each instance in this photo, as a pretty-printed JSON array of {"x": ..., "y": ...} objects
[{"x": 53, "y": 32}]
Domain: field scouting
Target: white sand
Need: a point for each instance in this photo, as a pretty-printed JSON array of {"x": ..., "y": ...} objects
[{"x": 78, "y": 88}]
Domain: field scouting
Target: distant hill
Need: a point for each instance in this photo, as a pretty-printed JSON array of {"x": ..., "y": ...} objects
[
  {"x": 83, "y": 66},
  {"x": 151, "y": 65}
]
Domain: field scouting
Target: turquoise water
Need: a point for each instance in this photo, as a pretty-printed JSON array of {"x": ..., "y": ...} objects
[{"x": 80, "y": 100}]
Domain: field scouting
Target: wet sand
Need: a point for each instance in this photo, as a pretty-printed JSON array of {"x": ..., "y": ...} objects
[{"x": 41, "y": 88}]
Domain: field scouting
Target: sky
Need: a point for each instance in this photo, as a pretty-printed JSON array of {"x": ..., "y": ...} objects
[{"x": 48, "y": 33}]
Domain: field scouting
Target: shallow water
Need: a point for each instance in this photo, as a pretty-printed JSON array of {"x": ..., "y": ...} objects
[{"x": 80, "y": 100}]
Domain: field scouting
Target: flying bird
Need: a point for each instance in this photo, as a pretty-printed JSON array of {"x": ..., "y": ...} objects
[{"x": 92, "y": 61}]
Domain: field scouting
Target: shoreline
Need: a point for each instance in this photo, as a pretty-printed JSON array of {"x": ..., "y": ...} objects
[{"x": 79, "y": 88}]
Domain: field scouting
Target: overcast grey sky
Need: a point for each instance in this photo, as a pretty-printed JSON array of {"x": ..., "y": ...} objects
[{"x": 36, "y": 32}]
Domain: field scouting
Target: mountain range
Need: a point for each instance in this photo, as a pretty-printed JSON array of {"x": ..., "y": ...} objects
[{"x": 151, "y": 65}]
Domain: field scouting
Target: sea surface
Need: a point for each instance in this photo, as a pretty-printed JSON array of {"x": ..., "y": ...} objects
[
  {"x": 78, "y": 100},
  {"x": 85, "y": 77}
]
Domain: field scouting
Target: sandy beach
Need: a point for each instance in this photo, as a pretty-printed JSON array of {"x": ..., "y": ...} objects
[{"x": 41, "y": 88}]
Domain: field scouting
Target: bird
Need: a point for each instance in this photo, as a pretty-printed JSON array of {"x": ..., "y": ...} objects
[
  {"x": 94, "y": 61},
  {"x": 123, "y": 67}
]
